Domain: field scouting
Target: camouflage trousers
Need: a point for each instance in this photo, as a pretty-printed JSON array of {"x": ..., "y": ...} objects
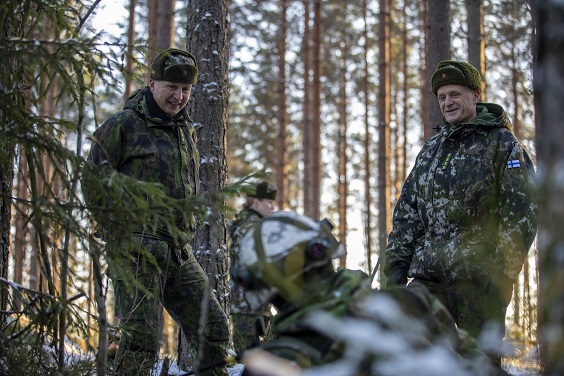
[
  {"x": 477, "y": 307},
  {"x": 245, "y": 331},
  {"x": 178, "y": 284}
]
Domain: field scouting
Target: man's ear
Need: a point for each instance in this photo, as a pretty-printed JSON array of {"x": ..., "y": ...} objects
[
  {"x": 476, "y": 96},
  {"x": 152, "y": 85}
]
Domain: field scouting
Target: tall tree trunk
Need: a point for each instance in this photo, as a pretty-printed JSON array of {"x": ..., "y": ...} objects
[
  {"x": 165, "y": 24},
  {"x": 207, "y": 40},
  {"x": 401, "y": 142},
  {"x": 129, "y": 53},
  {"x": 426, "y": 96},
  {"x": 476, "y": 38},
  {"x": 152, "y": 19},
  {"x": 367, "y": 144},
  {"x": 384, "y": 154},
  {"x": 307, "y": 107},
  {"x": 438, "y": 49},
  {"x": 342, "y": 146},
  {"x": 312, "y": 204},
  {"x": 20, "y": 224},
  {"x": 282, "y": 160},
  {"x": 10, "y": 26},
  {"x": 515, "y": 81},
  {"x": 549, "y": 73}
]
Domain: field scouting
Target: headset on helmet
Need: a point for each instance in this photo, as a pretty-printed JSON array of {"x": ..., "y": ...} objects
[{"x": 279, "y": 249}]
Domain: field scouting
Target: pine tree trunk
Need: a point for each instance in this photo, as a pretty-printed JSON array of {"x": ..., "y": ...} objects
[
  {"x": 342, "y": 146},
  {"x": 476, "y": 38},
  {"x": 438, "y": 49},
  {"x": 20, "y": 242},
  {"x": 129, "y": 53},
  {"x": 282, "y": 160},
  {"x": 207, "y": 40},
  {"x": 165, "y": 24},
  {"x": 7, "y": 153},
  {"x": 152, "y": 15},
  {"x": 384, "y": 153},
  {"x": 367, "y": 145},
  {"x": 549, "y": 73},
  {"x": 307, "y": 128},
  {"x": 426, "y": 96},
  {"x": 312, "y": 203}
]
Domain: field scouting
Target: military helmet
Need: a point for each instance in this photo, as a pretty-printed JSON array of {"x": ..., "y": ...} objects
[{"x": 275, "y": 254}]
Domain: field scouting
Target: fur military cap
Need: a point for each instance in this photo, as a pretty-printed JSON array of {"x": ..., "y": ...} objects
[
  {"x": 263, "y": 190},
  {"x": 175, "y": 65},
  {"x": 450, "y": 72}
]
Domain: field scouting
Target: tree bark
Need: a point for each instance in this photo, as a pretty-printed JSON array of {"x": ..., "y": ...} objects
[
  {"x": 208, "y": 42},
  {"x": 307, "y": 108},
  {"x": 438, "y": 49},
  {"x": 549, "y": 73},
  {"x": 342, "y": 147},
  {"x": 10, "y": 27},
  {"x": 165, "y": 24},
  {"x": 282, "y": 160},
  {"x": 384, "y": 152},
  {"x": 367, "y": 145},
  {"x": 312, "y": 203},
  {"x": 129, "y": 53},
  {"x": 476, "y": 39}
]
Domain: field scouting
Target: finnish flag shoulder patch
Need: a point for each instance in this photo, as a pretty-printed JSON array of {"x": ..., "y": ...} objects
[{"x": 514, "y": 163}]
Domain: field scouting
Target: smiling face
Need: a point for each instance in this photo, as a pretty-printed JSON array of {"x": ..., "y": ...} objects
[
  {"x": 171, "y": 97},
  {"x": 457, "y": 103}
]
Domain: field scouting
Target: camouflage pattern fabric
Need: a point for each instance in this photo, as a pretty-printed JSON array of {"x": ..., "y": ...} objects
[
  {"x": 243, "y": 317},
  {"x": 467, "y": 215},
  {"x": 147, "y": 144},
  {"x": 179, "y": 286},
  {"x": 420, "y": 322}
]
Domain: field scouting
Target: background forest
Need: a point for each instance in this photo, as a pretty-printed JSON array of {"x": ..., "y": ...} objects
[{"x": 329, "y": 100}]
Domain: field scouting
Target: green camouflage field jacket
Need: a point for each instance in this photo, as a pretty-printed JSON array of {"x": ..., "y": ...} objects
[
  {"x": 468, "y": 207},
  {"x": 147, "y": 144}
]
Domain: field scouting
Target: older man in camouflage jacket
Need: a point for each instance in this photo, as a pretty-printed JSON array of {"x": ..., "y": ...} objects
[
  {"x": 467, "y": 214},
  {"x": 153, "y": 140},
  {"x": 248, "y": 323}
]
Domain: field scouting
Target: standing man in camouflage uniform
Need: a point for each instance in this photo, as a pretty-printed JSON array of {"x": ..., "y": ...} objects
[
  {"x": 153, "y": 140},
  {"x": 246, "y": 321},
  {"x": 467, "y": 215}
]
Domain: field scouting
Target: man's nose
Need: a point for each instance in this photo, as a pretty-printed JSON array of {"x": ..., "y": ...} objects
[{"x": 178, "y": 94}]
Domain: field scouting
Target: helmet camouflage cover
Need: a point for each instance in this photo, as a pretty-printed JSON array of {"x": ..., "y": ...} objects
[{"x": 279, "y": 249}]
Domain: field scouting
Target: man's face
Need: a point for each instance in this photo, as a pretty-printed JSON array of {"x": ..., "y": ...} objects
[
  {"x": 171, "y": 97},
  {"x": 457, "y": 103},
  {"x": 263, "y": 206}
]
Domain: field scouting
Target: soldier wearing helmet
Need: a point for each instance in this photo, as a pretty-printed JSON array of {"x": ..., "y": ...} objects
[
  {"x": 335, "y": 317},
  {"x": 248, "y": 323}
]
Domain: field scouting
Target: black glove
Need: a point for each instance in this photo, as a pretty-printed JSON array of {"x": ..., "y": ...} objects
[{"x": 397, "y": 277}]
